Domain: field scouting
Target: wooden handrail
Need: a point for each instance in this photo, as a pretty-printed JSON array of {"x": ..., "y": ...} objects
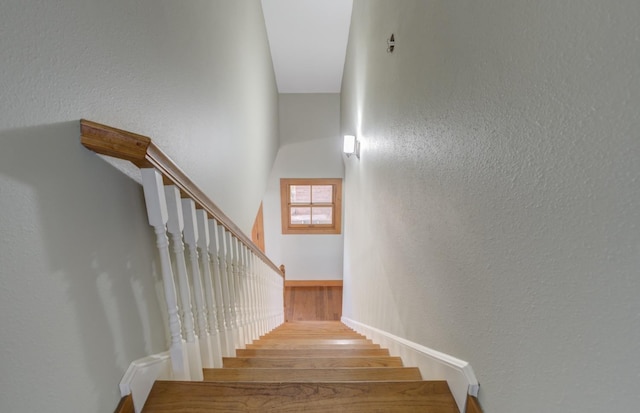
[{"x": 142, "y": 152}]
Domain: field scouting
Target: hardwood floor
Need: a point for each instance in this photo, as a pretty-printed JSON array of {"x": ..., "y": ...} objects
[
  {"x": 322, "y": 301},
  {"x": 125, "y": 405},
  {"x": 316, "y": 366}
]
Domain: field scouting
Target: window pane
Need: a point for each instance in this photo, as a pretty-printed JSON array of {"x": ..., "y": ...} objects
[
  {"x": 322, "y": 194},
  {"x": 300, "y": 194},
  {"x": 322, "y": 215},
  {"x": 300, "y": 215}
]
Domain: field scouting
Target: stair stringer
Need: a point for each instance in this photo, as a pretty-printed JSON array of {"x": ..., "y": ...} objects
[{"x": 433, "y": 365}]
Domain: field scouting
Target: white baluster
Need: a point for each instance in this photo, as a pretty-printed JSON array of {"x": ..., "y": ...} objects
[
  {"x": 158, "y": 217},
  {"x": 250, "y": 295},
  {"x": 209, "y": 295},
  {"x": 270, "y": 298},
  {"x": 244, "y": 289},
  {"x": 247, "y": 293},
  {"x": 274, "y": 297},
  {"x": 237, "y": 271},
  {"x": 231, "y": 282},
  {"x": 267, "y": 300},
  {"x": 279, "y": 299},
  {"x": 191, "y": 237},
  {"x": 214, "y": 256},
  {"x": 261, "y": 300},
  {"x": 276, "y": 312},
  {"x": 258, "y": 293},
  {"x": 281, "y": 280},
  {"x": 175, "y": 226},
  {"x": 225, "y": 265}
]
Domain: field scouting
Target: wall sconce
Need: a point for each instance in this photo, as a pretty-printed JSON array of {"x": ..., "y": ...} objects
[{"x": 351, "y": 146}]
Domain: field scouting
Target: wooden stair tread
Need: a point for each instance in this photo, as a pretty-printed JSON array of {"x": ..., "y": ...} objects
[
  {"x": 352, "y": 397},
  {"x": 318, "y": 366},
  {"x": 314, "y": 341},
  {"x": 316, "y": 329},
  {"x": 294, "y": 346},
  {"x": 289, "y": 353},
  {"x": 298, "y": 362},
  {"x": 313, "y": 327},
  {"x": 313, "y": 375},
  {"x": 304, "y": 334}
]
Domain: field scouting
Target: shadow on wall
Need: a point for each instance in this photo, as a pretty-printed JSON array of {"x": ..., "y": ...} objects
[{"x": 78, "y": 253}]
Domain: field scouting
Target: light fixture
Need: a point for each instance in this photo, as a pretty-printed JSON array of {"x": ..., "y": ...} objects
[{"x": 351, "y": 146}]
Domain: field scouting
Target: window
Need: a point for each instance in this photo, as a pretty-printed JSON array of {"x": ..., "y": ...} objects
[{"x": 311, "y": 206}]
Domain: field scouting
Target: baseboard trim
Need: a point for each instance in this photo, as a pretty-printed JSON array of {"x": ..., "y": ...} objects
[
  {"x": 434, "y": 365},
  {"x": 140, "y": 376}
]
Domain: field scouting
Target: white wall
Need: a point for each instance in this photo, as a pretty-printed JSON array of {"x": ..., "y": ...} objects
[
  {"x": 310, "y": 148},
  {"x": 77, "y": 263},
  {"x": 494, "y": 212}
]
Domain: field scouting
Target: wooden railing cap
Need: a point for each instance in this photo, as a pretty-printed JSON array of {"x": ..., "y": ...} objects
[{"x": 142, "y": 152}]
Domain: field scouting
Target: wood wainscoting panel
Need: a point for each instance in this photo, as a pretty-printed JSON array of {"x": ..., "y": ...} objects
[
  {"x": 257, "y": 233},
  {"x": 313, "y": 300}
]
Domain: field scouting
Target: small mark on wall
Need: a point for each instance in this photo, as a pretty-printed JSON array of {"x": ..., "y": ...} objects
[{"x": 391, "y": 43}]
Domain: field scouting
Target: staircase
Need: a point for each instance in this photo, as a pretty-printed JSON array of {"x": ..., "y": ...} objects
[
  {"x": 311, "y": 366},
  {"x": 232, "y": 292}
]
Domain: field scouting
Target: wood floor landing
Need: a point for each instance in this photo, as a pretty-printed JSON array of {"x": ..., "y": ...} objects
[{"x": 306, "y": 367}]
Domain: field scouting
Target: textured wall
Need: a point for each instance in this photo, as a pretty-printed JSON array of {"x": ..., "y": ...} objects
[
  {"x": 77, "y": 264},
  {"x": 494, "y": 213},
  {"x": 310, "y": 148}
]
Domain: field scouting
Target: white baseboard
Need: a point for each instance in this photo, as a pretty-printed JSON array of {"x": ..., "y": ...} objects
[
  {"x": 433, "y": 364},
  {"x": 140, "y": 376}
]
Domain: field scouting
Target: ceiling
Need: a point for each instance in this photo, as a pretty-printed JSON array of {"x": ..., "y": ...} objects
[{"x": 308, "y": 40}]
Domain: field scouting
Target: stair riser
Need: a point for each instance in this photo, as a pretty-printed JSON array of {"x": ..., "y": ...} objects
[
  {"x": 238, "y": 362},
  {"x": 376, "y": 352},
  {"x": 313, "y": 375}
]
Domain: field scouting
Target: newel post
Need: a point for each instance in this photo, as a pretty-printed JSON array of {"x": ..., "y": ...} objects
[{"x": 158, "y": 217}]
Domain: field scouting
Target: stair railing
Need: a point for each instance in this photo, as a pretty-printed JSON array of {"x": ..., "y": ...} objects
[{"x": 221, "y": 291}]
